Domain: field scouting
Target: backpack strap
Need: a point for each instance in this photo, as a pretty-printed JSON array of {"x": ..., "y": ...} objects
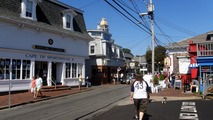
[{"x": 148, "y": 89}]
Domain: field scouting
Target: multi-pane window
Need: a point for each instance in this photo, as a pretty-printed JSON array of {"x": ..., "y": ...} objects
[
  {"x": 16, "y": 69},
  {"x": 4, "y": 68},
  {"x": 68, "y": 21},
  {"x": 92, "y": 49},
  {"x": 29, "y": 8},
  {"x": 80, "y": 66},
  {"x": 74, "y": 70},
  {"x": 26, "y": 69},
  {"x": 96, "y": 34},
  {"x": 68, "y": 70}
]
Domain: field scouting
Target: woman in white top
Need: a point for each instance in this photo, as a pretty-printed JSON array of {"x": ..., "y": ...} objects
[{"x": 140, "y": 95}]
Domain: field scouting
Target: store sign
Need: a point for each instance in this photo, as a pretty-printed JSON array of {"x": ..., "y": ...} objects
[
  {"x": 205, "y": 68},
  {"x": 46, "y": 57},
  {"x": 48, "y": 48}
]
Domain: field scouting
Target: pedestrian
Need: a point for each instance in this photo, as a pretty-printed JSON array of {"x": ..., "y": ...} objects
[
  {"x": 140, "y": 96},
  {"x": 88, "y": 82},
  {"x": 33, "y": 86},
  {"x": 173, "y": 79},
  {"x": 39, "y": 84},
  {"x": 195, "y": 84},
  {"x": 80, "y": 80}
]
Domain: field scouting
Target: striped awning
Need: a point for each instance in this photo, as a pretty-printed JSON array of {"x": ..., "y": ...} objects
[{"x": 193, "y": 65}]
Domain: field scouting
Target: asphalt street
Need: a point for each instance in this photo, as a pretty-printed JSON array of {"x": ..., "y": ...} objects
[{"x": 172, "y": 110}]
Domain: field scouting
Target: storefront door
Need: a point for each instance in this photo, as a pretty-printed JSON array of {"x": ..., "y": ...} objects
[{"x": 41, "y": 70}]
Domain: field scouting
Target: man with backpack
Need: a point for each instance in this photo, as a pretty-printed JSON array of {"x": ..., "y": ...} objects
[{"x": 140, "y": 96}]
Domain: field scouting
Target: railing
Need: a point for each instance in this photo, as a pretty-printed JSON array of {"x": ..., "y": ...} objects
[
  {"x": 207, "y": 84},
  {"x": 205, "y": 48},
  {"x": 53, "y": 81}
]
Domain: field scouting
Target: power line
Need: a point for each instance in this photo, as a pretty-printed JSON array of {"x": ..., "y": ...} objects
[{"x": 130, "y": 15}]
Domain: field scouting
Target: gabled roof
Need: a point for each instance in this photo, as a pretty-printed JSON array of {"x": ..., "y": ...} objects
[
  {"x": 185, "y": 42},
  {"x": 140, "y": 59},
  {"x": 49, "y": 16}
]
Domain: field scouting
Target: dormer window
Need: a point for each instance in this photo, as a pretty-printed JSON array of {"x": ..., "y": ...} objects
[
  {"x": 68, "y": 21},
  {"x": 68, "y": 16},
  {"x": 92, "y": 49},
  {"x": 28, "y": 8}
]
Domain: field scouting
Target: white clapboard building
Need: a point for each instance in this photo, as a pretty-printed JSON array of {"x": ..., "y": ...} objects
[{"x": 44, "y": 37}]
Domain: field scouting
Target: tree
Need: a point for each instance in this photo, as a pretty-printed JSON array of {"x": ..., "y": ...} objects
[
  {"x": 160, "y": 54},
  {"x": 126, "y": 50}
]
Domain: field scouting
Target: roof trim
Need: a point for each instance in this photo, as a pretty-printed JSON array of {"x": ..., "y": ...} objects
[
  {"x": 65, "y": 5},
  {"x": 63, "y": 33}
]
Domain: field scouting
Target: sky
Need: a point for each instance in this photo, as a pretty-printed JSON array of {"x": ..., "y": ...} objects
[{"x": 174, "y": 20}]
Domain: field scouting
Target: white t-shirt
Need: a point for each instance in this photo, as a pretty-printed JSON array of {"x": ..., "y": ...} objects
[
  {"x": 139, "y": 90},
  {"x": 39, "y": 82},
  {"x": 148, "y": 79}
]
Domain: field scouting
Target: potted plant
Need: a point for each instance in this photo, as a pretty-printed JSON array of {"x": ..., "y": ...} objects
[
  {"x": 162, "y": 77},
  {"x": 162, "y": 80},
  {"x": 155, "y": 79}
]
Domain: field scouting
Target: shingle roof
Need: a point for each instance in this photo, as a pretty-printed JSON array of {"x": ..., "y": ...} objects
[
  {"x": 49, "y": 15},
  {"x": 185, "y": 42}
]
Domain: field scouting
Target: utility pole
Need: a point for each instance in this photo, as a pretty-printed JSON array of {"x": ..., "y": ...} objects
[{"x": 150, "y": 12}]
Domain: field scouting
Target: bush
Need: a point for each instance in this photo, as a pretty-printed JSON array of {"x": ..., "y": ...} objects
[
  {"x": 162, "y": 77},
  {"x": 155, "y": 79}
]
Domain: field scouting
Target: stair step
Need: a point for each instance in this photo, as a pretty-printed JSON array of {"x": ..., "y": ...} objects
[
  {"x": 53, "y": 88},
  {"x": 210, "y": 89}
]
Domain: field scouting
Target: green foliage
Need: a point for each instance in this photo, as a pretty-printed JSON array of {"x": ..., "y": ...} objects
[
  {"x": 155, "y": 79},
  {"x": 162, "y": 77},
  {"x": 126, "y": 50},
  {"x": 160, "y": 54}
]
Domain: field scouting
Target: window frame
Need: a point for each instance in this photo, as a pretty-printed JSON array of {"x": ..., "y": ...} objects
[
  {"x": 68, "y": 16},
  {"x": 92, "y": 49},
  {"x": 25, "y": 12}
]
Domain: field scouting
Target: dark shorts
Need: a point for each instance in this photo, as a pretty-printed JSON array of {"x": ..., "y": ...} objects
[{"x": 141, "y": 104}]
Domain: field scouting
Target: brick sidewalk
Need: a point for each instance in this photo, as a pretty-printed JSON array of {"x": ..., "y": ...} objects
[{"x": 174, "y": 93}]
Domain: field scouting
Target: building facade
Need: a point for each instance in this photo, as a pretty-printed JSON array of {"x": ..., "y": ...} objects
[
  {"x": 106, "y": 58},
  {"x": 44, "y": 37},
  {"x": 181, "y": 59},
  {"x": 201, "y": 58}
]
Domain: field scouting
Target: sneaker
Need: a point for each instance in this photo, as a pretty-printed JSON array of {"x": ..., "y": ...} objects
[{"x": 136, "y": 117}]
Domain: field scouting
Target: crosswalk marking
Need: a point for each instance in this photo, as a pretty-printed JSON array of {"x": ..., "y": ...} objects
[{"x": 190, "y": 111}]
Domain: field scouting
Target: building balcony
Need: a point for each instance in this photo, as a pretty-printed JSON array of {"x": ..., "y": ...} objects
[{"x": 205, "y": 49}]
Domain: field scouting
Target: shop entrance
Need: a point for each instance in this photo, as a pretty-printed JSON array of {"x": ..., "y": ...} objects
[
  {"x": 41, "y": 70},
  {"x": 54, "y": 77}
]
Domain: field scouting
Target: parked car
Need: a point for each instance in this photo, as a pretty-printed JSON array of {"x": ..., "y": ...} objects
[{"x": 127, "y": 80}]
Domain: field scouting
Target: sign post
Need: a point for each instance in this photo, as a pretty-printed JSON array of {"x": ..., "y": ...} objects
[{"x": 10, "y": 85}]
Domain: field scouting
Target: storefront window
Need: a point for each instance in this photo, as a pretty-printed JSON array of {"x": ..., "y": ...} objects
[
  {"x": 80, "y": 66},
  {"x": 68, "y": 70},
  {"x": 16, "y": 68},
  {"x": 74, "y": 70},
  {"x": 4, "y": 68},
  {"x": 26, "y": 69}
]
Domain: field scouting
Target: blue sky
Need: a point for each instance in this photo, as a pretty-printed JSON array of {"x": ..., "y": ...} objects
[{"x": 175, "y": 20}]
